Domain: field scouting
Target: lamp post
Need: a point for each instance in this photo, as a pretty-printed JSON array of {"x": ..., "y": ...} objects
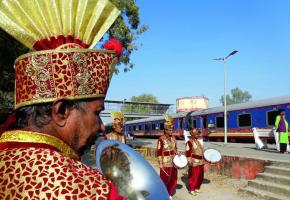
[
  {"x": 224, "y": 59},
  {"x": 124, "y": 100}
]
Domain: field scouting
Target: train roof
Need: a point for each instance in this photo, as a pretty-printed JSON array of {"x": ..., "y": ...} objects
[
  {"x": 174, "y": 115},
  {"x": 233, "y": 107},
  {"x": 245, "y": 105}
]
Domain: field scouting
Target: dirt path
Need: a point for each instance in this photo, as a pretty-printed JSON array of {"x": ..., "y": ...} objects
[{"x": 214, "y": 187}]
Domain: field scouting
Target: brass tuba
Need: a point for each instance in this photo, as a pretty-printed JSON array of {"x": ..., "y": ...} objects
[{"x": 134, "y": 177}]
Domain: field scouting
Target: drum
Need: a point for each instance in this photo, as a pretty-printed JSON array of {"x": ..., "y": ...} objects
[
  {"x": 212, "y": 156},
  {"x": 179, "y": 161}
]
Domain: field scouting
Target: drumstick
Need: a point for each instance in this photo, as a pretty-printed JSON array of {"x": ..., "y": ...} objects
[{"x": 164, "y": 171}]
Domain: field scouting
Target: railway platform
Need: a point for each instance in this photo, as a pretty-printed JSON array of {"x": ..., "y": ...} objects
[
  {"x": 265, "y": 173},
  {"x": 245, "y": 150},
  {"x": 240, "y": 160},
  {"x": 245, "y": 173}
]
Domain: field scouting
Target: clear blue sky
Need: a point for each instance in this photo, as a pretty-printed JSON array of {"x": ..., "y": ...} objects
[{"x": 175, "y": 59}]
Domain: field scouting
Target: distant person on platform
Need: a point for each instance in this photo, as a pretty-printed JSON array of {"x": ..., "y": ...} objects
[
  {"x": 166, "y": 150},
  {"x": 194, "y": 153},
  {"x": 60, "y": 87},
  {"x": 281, "y": 127},
  {"x": 116, "y": 134}
]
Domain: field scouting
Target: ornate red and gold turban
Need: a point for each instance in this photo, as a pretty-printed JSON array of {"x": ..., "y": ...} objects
[
  {"x": 61, "y": 35},
  {"x": 118, "y": 119},
  {"x": 168, "y": 122}
]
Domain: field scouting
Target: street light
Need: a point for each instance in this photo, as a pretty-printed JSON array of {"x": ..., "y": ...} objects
[
  {"x": 124, "y": 101},
  {"x": 224, "y": 59}
]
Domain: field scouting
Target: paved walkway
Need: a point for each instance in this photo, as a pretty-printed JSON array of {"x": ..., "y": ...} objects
[{"x": 231, "y": 149}]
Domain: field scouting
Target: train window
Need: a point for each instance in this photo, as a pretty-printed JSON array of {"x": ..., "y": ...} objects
[
  {"x": 271, "y": 117},
  {"x": 244, "y": 120},
  {"x": 134, "y": 128},
  {"x": 153, "y": 126},
  {"x": 194, "y": 123},
  {"x": 161, "y": 126},
  {"x": 220, "y": 122},
  {"x": 140, "y": 127},
  {"x": 146, "y": 127},
  {"x": 130, "y": 128}
]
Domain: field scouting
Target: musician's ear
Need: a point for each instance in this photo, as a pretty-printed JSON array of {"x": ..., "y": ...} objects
[{"x": 60, "y": 111}]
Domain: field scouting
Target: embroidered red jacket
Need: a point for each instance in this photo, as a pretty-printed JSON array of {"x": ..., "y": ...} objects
[
  {"x": 166, "y": 150},
  {"x": 194, "y": 152},
  {"x": 46, "y": 168}
]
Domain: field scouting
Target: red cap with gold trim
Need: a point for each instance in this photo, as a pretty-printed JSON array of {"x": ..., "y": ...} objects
[
  {"x": 61, "y": 35},
  {"x": 168, "y": 121},
  {"x": 118, "y": 119}
]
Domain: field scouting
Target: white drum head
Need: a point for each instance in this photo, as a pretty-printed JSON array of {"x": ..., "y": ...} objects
[
  {"x": 212, "y": 155},
  {"x": 180, "y": 161}
]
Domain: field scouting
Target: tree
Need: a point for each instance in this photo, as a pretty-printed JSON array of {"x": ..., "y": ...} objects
[
  {"x": 140, "y": 109},
  {"x": 10, "y": 49},
  {"x": 145, "y": 98},
  {"x": 237, "y": 96},
  {"x": 126, "y": 29}
]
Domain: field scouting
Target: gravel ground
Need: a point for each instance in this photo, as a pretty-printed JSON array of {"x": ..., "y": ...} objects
[{"x": 214, "y": 187}]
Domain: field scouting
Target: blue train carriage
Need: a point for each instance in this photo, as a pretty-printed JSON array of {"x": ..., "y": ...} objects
[
  {"x": 242, "y": 118},
  {"x": 153, "y": 127}
]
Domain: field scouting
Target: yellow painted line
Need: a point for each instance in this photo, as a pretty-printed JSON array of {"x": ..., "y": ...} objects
[{"x": 230, "y": 134}]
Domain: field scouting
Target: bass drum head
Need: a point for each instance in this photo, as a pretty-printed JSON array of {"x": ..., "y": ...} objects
[
  {"x": 180, "y": 161},
  {"x": 212, "y": 155}
]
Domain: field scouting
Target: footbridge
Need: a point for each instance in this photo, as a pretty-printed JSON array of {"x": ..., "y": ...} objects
[{"x": 135, "y": 110}]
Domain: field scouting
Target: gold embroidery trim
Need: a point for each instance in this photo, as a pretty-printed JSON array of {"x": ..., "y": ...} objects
[
  {"x": 48, "y": 100},
  {"x": 35, "y": 137},
  {"x": 65, "y": 51}
]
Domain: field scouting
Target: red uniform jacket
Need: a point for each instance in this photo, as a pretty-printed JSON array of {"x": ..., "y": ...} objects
[
  {"x": 166, "y": 150},
  {"x": 194, "y": 152},
  {"x": 38, "y": 166}
]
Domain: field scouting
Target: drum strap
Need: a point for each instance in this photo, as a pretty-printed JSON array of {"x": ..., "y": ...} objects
[
  {"x": 169, "y": 153},
  {"x": 196, "y": 156}
]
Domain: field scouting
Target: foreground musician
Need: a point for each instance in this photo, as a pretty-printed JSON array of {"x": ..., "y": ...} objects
[
  {"x": 116, "y": 134},
  {"x": 59, "y": 96},
  {"x": 194, "y": 154},
  {"x": 166, "y": 150}
]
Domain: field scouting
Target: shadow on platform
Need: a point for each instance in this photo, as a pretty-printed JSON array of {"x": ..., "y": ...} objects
[
  {"x": 184, "y": 179},
  {"x": 271, "y": 150}
]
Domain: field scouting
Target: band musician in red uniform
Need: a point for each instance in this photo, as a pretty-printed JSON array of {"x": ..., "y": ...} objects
[
  {"x": 194, "y": 154},
  {"x": 166, "y": 150},
  {"x": 116, "y": 134},
  {"x": 60, "y": 87}
]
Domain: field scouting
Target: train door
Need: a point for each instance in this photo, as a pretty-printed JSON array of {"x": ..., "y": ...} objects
[
  {"x": 204, "y": 123},
  {"x": 180, "y": 127},
  {"x": 188, "y": 124},
  {"x": 180, "y": 123},
  {"x": 194, "y": 123}
]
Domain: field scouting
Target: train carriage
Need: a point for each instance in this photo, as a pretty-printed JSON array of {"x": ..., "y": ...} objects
[{"x": 241, "y": 119}]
